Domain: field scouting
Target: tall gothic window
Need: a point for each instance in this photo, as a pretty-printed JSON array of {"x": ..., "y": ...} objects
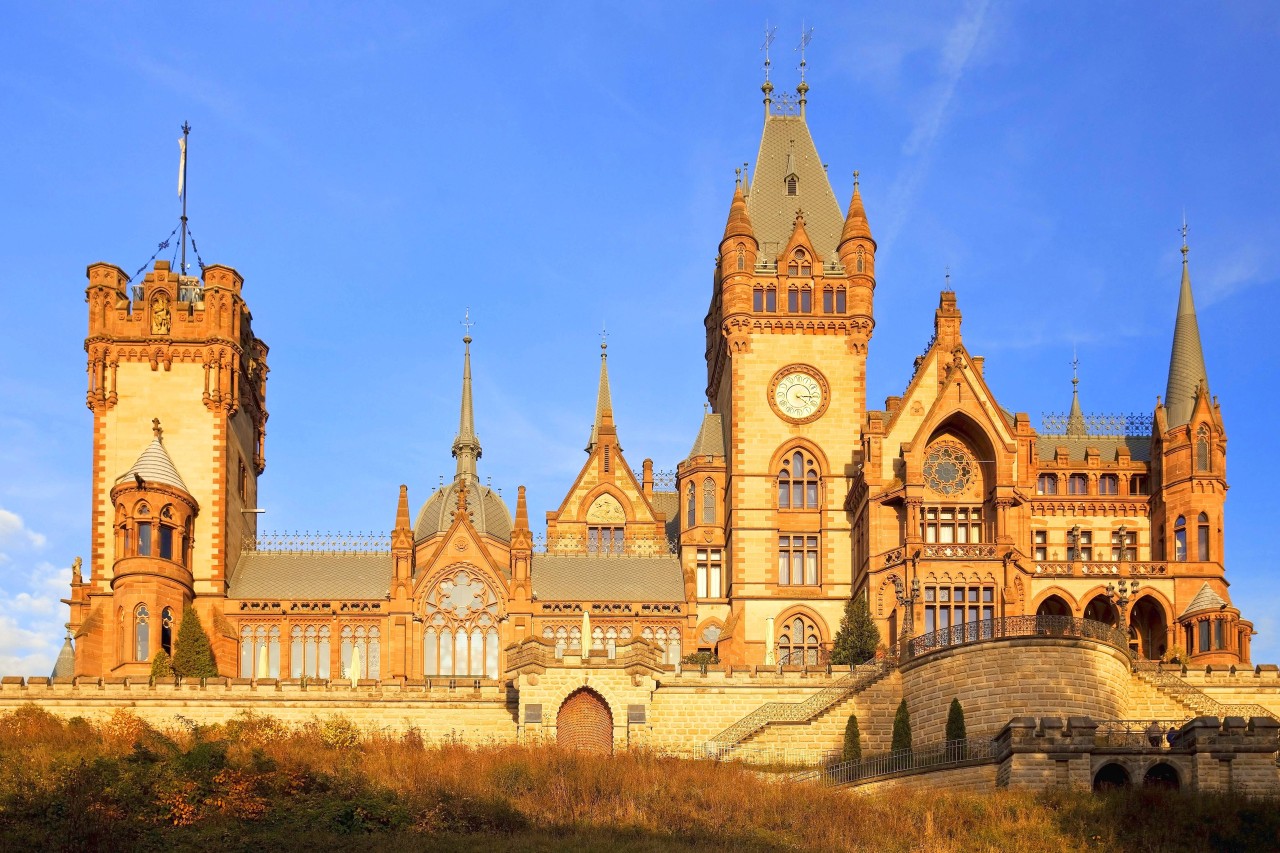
[
  {"x": 841, "y": 306},
  {"x": 141, "y": 633},
  {"x": 361, "y": 651},
  {"x": 691, "y": 507},
  {"x": 757, "y": 300},
  {"x": 861, "y": 262},
  {"x": 1202, "y": 538},
  {"x": 798, "y": 482},
  {"x": 1202, "y": 448},
  {"x": 1180, "y": 539},
  {"x": 667, "y": 639},
  {"x": 260, "y": 651},
  {"x": 771, "y": 299},
  {"x": 799, "y": 642},
  {"x": 461, "y": 633},
  {"x": 828, "y": 303},
  {"x": 742, "y": 258},
  {"x": 309, "y": 651},
  {"x": 708, "y": 501},
  {"x": 166, "y": 630},
  {"x": 144, "y": 531}
]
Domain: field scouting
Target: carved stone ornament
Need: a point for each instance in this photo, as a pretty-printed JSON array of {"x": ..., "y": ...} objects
[
  {"x": 606, "y": 509},
  {"x": 161, "y": 318}
]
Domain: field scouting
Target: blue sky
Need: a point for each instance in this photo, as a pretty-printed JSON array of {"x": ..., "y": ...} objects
[{"x": 372, "y": 171}]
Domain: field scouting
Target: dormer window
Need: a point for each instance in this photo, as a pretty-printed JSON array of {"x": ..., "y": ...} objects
[
  {"x": 793, "y": 184},
  {"x": 799, "y": 264}
]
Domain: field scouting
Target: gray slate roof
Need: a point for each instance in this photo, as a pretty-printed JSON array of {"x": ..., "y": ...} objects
[
  {"x": 1186, "y": 359},
  {"x": 710, "y": 440},
  {"x": 1206, "y": 599},
  {"x": 1107, "y": 445},
  {"x": 65, "y": 666},
  {"x": 586, "y": 578},
  {"x": 488, "y": 514},
  {"x": 154, "y": 465},
  {"x": 310, "y": 576},
  {"x": 668, "y": 503},
  {"x": 786, "y": 145}
]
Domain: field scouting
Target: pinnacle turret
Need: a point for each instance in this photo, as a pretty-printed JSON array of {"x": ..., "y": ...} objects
[
  {"x": 1186, "y": 360},
  {"x": 855, "y": 223},
  {"x": 604, "y": 403}
]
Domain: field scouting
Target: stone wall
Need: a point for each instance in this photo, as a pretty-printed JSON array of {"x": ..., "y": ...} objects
[
  {"x": 1011, "y": 677},
  {"x": 981, "y": 777}
]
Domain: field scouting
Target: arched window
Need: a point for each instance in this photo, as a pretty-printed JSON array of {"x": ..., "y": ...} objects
[
  {"x": 260, "y": 651},
  {"x": 798, "y": 482},
  {"x": 309, "y": 651},
  {"x": 799, "y": 643},
  {"x": 861, "y": 262},
  {"x": 708, "y": 501},
  {"x": 742, "y": 258},
  {"x": 793, "y": 185},
  {"x": 1202, "y": 448},
  {"x": 141, "y": 633},
  {"x": 1180, "y": 539},
  {"x": 166, "y": 630},
  {"x": 1202, "y": 538},
  {"x": 691, "y": 507},
  {"x": 799, "y": 264},
  {"x": 143, "y": 549},
  {"x": 362, "y": 644},
  {"x": 667, "y": 639},
  {"x": 461, "y": 633}
]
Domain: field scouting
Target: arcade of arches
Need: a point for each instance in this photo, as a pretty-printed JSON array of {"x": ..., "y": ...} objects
[{"x": 1148, "y": 624}]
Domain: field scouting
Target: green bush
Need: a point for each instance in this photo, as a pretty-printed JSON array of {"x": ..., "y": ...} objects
[
  {"x": 901, "y": 728},
  {"x": 193, "y": 655},
  {"x": 955, "y": 721},
  {"x": 852, "y": 740},
  {"x": 161, "y": 667},
  {"x": 858, "y": 636}
]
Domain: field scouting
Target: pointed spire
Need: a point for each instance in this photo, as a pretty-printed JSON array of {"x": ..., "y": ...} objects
[
  {"x": 604, "y": 403},
  {"x": 522, "y": 512},
  {"x": 1075, "y": 420},
  {"x": 466, "y": 447},
  {"x": 739, "y": 224},
  {"x": 855, "y": 224},
  {"x": 1186, "y": 360},
  {"x": 154, "y": 464},
  {"x": 402, "y": 509},
  {"x": 65, "y": 665}
]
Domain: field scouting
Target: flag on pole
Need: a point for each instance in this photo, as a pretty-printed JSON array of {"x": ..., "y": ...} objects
[{"x": 182, "y": 164}]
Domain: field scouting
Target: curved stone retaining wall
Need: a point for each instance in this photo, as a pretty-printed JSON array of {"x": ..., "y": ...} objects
[{"x": 1015, "y": 677}]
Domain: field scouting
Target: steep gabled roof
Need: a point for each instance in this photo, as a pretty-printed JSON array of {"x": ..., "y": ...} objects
[{"x": 786, "y": 147}]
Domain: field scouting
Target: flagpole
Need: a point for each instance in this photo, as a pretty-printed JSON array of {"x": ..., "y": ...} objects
[{"x": 182, "y": 183}]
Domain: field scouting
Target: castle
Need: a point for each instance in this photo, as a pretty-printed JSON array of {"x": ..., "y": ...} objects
[{"x": 969, "y": 532}]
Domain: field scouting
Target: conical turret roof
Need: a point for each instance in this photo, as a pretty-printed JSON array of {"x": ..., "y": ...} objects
[
  {"x": 65, "y": 666},
  {"x": 154, "y": 465},
  {"x": 739, "y": 224},
  {"x": 604, "y": 402},
  {"x": 855, "y": 224},
  {"x": 1186, "y": 360},
  {"x": 1206, "y": 599}
]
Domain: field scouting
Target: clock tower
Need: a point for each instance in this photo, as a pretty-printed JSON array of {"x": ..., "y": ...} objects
[{"x": 787, "y": 334}]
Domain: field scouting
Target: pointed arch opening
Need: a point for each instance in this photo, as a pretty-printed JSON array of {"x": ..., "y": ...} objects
[
  {"x": 460, "y": 630},
  {"x": 584, "y": 722}
]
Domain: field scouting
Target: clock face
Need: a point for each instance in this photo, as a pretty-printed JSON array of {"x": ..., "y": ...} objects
[{"x": 798, "y": 394}]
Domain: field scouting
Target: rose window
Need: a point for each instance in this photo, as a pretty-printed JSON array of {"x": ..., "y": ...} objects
[{"x": 948, "y": 470}]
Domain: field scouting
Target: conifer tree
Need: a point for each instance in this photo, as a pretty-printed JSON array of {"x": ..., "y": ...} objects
[
  {"x": 955, "y": 721},
  {"x": 161, "y": 667},
  {"x": 858, "y": 636},
  {"x": 193, "y": 654},
  {"x": 852, "y": 740},
  {"x": 901, "y": 728}
]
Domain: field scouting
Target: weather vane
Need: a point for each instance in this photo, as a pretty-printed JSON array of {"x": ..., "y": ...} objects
[
  {"x": 604, "y": 336},
  {"x": 466, "y": 322},
  {"x": 806, "y": 36},
  {"x": 769, "y": 34},
  {"x": 1184, "y": 234}
]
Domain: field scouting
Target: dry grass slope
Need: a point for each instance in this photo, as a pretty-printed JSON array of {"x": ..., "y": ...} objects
[{"x": 254, "y": 785}]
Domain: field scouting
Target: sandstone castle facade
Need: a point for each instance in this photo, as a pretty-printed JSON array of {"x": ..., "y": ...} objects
[{"x": 947, "y": 510}]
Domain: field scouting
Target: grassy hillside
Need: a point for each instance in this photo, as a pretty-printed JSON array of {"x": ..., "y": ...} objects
[{"x": 253, "y": 785}]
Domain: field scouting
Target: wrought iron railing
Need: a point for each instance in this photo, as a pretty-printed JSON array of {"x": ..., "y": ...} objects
[
  {"x": 318, "y": 543},
  {"x": 804, "y": 657},
  {"x": 935, "y": 756},
  {"x": 860, "y": 678},
  {"x": 1158, "y": 676},
  {"x": 1016, "y": 626},
  {"x": 1137, "y": 734},
  {"x": 1056, "y": 423},
  {"x": 570, "y": 546}
]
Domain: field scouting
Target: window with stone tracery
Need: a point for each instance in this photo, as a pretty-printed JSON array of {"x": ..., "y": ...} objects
[
  {"x": 141, "y": 633},
  {"x": 460, "y": 637},
  {"x": 667, "y": 639},
  {"x": 1202, "y": 448},
  {"x": 361, "y": 651},
  {"x": 260, "y": 651},
  {"x": 799, "y": 642},
  {"x": 798, "y": 482},
  {"x": 309, "y": 651}
]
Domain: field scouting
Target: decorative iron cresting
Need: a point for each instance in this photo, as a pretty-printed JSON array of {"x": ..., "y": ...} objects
[
  {"x": 318, "y": 543},
  {"x": 1055, "y": 423}
]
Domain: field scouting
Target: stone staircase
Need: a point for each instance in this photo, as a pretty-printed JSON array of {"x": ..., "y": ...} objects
[
  {"x": 856, "y": 681},
  {"x": 1197, "y": 700}
]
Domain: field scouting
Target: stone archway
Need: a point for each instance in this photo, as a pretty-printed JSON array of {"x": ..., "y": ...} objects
[
  {"x": 1100, "y": 609},
  {"x": 1161, "y": 775},
  {"x": 584, "y": 722},
  {"x": 1054, "y": 605},
  {"x": 1147, "y": 620},
  {"x": 1110, "y": 776}
]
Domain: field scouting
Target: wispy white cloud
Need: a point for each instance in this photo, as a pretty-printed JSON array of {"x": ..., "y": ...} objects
[
  {"x": 957, "y": 51},
  {"x": 14, "y": 531}
]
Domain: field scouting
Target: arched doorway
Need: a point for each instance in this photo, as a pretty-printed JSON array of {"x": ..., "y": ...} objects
[
  {"x": 1110, "y": 776},
  {"x": 1148, "y": 622},
  {"x": 1100, "y": 609},
  {"x": 1161, "y": 776},
  {"x": 584, "y": 722},
  {"x": 1054, "y": 605}
]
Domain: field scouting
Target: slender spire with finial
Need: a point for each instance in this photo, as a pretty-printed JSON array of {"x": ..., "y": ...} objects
[
  {"x": 806, "y": 36},
  {"x": 604, "y": 402},
  {"x": 466, "y": 447},
  {"x": 1186, "y": 360},
  {"x": 182, "y": 191},
  {"x": 767, "y": 87},
  {"x": 855, "y": 221},
  {"x": 1075, "y": 420}
]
